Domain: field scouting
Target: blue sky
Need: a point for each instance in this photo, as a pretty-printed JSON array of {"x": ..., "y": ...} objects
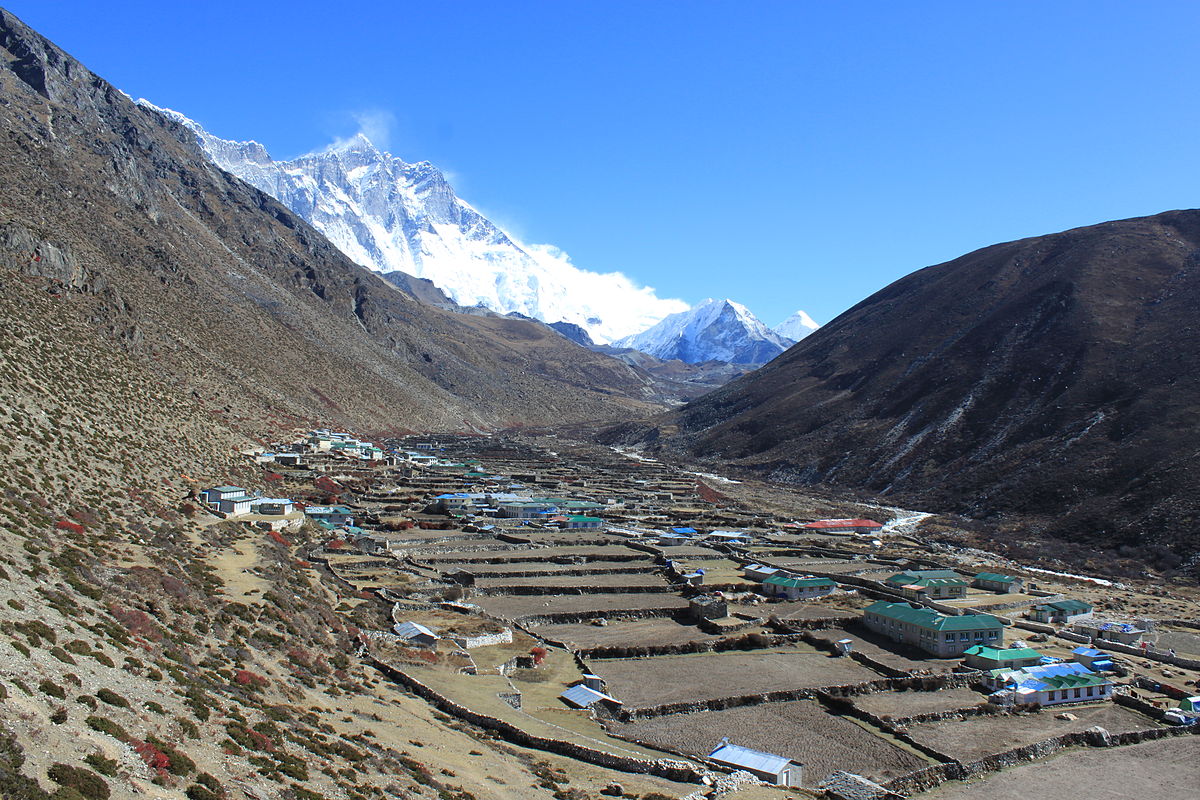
[{"x": 788, "y": 155}]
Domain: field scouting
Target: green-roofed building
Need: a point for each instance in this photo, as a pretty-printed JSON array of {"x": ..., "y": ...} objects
[
  {"x": 999, "y": 583},
  {"x": 581, "y": 523},
  {"x": 981, "y": 656},
  {"x": 929, "y": 584},
  {"x": 939, "y": 634},
  {"x": 796, "y": 588},
  {"x": 1061, "y": 611}
]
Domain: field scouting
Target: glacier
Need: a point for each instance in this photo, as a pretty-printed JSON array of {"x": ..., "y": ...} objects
[{"x": 390, "y": 215}]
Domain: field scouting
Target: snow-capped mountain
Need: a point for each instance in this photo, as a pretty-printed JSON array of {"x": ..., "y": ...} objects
[
  {"x": 715, "y": 330},
  {"x": 391, "y": 215},
  {"x": 797, "y": 326}
]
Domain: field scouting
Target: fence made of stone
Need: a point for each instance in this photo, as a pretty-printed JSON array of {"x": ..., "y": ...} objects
[{"x": 663, "y": 768}]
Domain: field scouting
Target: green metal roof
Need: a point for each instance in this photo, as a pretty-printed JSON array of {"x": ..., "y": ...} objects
[
  {"x": 787, "y": 582},
  {"x": 995, "y": 577},
  {"x": 927, "y": 618},
  {"x": 995, "y": 654},
  {"x": 1072, "y": 680},
  {"x": 1068, "y": 605},
  {"x": 927, "y": 577}
]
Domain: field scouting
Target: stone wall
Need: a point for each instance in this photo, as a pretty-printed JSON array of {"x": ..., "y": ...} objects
[
  {"x": 664, "y": 768},
  {"x": 929, "y": 777}
]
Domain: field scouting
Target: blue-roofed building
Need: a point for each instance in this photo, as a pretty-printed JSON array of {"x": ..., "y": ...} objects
[
  {"x": 1050, "y": 684},
  {"x": 767, "y": 767},
  {"x": 1093, "y": 659}
]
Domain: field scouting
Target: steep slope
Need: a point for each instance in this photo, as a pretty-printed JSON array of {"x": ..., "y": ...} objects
[
  {"x": 715, "y": 330},
  {"x": 1056, "y": 377},
  {"x": 389, "y": 215},
  {"x": 236, "y": 297},
  {"x": 797, "y": 326}
]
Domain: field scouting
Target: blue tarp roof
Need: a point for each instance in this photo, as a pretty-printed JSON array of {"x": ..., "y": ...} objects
[{"x": 744, "y": 757}]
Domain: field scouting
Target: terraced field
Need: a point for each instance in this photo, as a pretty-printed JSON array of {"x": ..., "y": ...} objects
[
  {"x": 801, "y": 730},
  {"x": 641, "y": 683}
]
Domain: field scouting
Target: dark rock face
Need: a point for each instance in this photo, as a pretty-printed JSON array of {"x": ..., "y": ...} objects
[
  {"x": 230, "y": 294},
  {"x": 573, "y": 332},
  {"x": 1057, "y": 376}
]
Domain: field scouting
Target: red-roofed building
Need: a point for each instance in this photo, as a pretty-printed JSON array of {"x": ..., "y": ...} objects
[{"x": 844, "y": 526}]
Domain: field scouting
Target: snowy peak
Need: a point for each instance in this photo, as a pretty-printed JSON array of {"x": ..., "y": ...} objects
[
  {"x": 797, "y": 326},
  {"x": 715, "y": 330},
  {"x": 390, "y": 215}
]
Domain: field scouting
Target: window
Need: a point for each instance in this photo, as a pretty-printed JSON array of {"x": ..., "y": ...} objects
[
  {"x": 1089, "y": 690},
  {"x": 949, "y": 637},
  {"x": 1078, "y": 692},
  {"x": 1050, "y": 695},
  {"x": 964, "y": 637},
  {"x": 991, "y": 634}
]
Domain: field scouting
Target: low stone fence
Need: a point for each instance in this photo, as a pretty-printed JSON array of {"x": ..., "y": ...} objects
[
  {"x": 534, "y": 590},
  {"x": 722, "y": 645},
  {"x": 1026, "y": 603},
  {"x": 839, "y": 691},
  {"x": 663, "y": 768},
  {"x": 859, "y": 657},
  {"x": 1137, "y": 652},
  {"x": 929, "y": 777},
  {"x": 484, "y": 572},
  {"x": 570, "y": 617}
]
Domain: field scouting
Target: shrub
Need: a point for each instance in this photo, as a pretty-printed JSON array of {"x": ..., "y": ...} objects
[
  {"x": 82, "y": 780},
  {"x": 105, "y": 725},
  {"x": 59, "y": 716},
  {"x": 112, "y": 698},
  {"x": 210, "y": 783},
  {"x": 105, "y": 766},
  {"x": 51, "y": 688},
  {"x": 249, "y": 679},
  {"x": 197, "y": 792}
]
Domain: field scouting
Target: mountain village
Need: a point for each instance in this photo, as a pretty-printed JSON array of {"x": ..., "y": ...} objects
[{"x": 609, "y": 607}]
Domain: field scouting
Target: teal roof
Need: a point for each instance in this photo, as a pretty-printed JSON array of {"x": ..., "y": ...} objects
[
  {"x": 787, "y": 582},
  {"x": 995, "y": 577},
  {"x": 584, "y": 519},
  {"x": 927, "y": 618},
  {"x": 996, "y": 654},
  {"x": 926, "y": 577},
  {"x": 1070, "y": 606}
]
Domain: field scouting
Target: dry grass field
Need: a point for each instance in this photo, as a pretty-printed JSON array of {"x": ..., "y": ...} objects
[
  {"x": 897, "y": 656},
  {"x": 535, "y": 554},
  {"x": 1163, "y": 770},
  {"x": 548, "y": 568},
  {"x": 634, "y": 632},
  {"x": 639, "y": 683},
  {"x": 518, "y": 606},
  {"x": 908, "y": 704},
  {"x": 602, "y": 580},
  {"x": 801, "y": 730},
  {"x": 977, "y": 737}
]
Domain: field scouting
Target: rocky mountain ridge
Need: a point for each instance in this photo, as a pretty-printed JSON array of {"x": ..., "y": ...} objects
[{"x": 1050, "y": 381}]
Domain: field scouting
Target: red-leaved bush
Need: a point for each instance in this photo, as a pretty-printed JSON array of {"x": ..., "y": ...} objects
[
  {"x": 243, "y": 677},
  {"x": 136, "y": 621},
  {"x": 155, "y": 759},
  {"x": 539, "y": 654},
  {"x": 277, "y": 537},
  {"x": 67, "y": 525}
]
